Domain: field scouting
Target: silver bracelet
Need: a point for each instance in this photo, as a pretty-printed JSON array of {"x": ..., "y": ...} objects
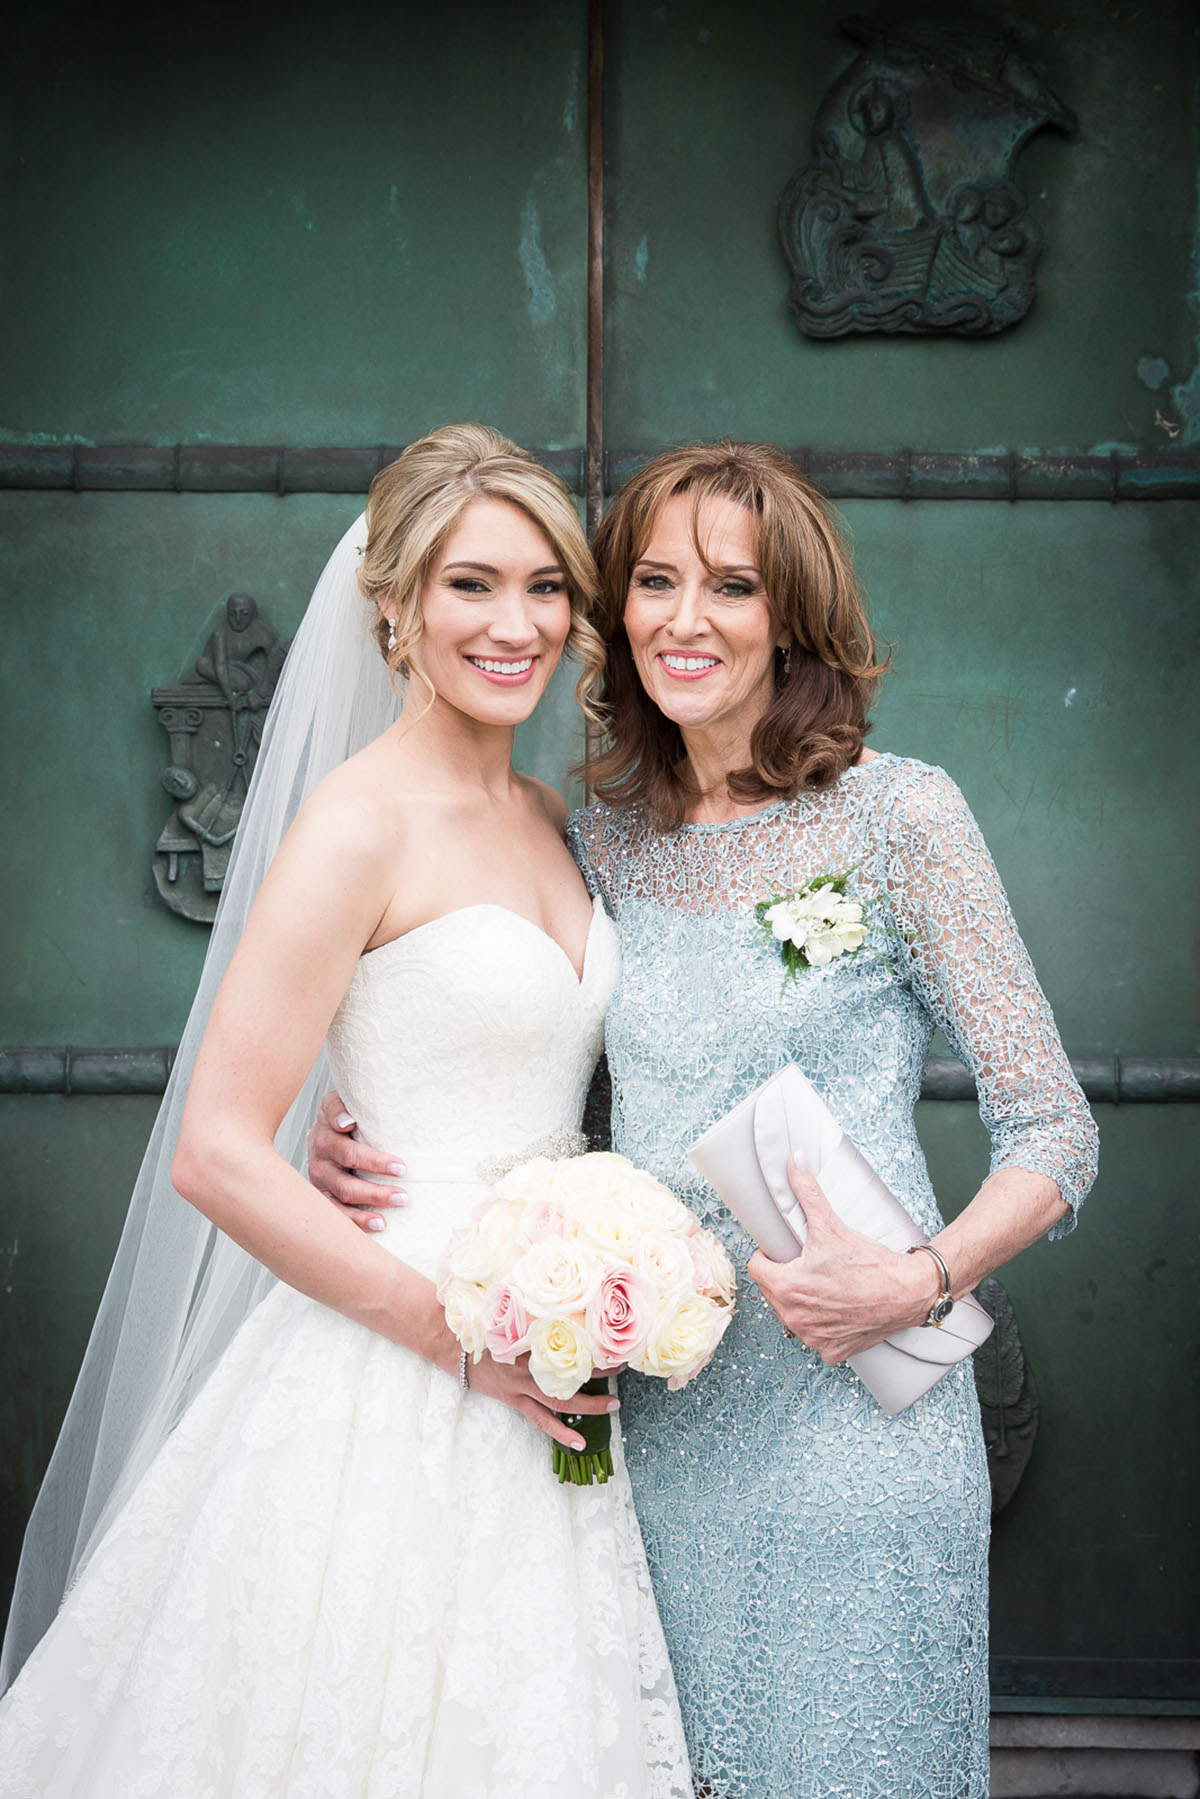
[
  {"x": 943, "y": 1304},
  {"x": 463, "y": 1382},
  {"x": 938, "y": 1258}
]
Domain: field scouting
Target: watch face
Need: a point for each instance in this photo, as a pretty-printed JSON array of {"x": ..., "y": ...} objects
[{"x": 942, "y": 1310}]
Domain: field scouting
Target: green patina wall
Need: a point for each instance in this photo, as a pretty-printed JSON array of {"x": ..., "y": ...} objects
[
  {"x": 346, "y": 229},
  {"x": 356, "y": 230},
  {"x": 712, "y": 114}
]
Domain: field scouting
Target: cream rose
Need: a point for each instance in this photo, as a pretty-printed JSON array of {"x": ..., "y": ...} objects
[
  {"x": 532, "y": 1183},
  {"x": 666, "y": 1262},
  {"x": 464, "y": 1308},
  {"x": 556, "y": 1277},
  {"x": 611, "y": 1229},
  {"x": 560, "y": 1356},
  {"x": 715, "y": 1274},
  {"x": 487, "y": 1247},
  {"x": 656, "y": 1209},
  {"x": 683, "y": 1340},
  {"x": 599, "y": 1176}
]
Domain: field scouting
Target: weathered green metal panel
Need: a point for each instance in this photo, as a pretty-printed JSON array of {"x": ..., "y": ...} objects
[
  {"x": 346, "y": 225},
  {"x": 1049, "y": 657},
  {"x": 711, "y": 113},
  {"x": 69, "y": 1166},
  {"x": 1096, "y": 1556}
]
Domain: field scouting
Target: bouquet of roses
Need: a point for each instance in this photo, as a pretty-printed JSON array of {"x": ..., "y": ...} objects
[{"x": 587, "y": 1264}]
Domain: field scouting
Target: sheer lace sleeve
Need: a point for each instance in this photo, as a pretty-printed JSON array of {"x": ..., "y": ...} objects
[
  {"x": 969, "y": 966},
  {"x": 591, "y": 839}
]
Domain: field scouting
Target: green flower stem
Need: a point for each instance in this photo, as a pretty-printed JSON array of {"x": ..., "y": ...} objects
[{"x": 593, "y": 1464}]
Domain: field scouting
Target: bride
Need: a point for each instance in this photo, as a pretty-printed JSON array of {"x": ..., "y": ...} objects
[{"x": 315, "y": 1551}]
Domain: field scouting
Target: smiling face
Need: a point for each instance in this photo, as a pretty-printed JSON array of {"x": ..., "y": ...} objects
[
  {"x": 703, "y": 638},
  {"x": 496, "y": 614}
]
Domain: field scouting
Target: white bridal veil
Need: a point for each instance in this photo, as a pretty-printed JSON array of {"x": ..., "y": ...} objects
[{"x": 179, "y": 1289}]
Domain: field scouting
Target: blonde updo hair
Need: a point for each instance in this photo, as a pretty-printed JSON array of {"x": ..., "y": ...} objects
[{"x": 414, "y": 504}]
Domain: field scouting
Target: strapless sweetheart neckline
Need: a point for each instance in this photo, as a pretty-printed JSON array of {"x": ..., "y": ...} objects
[{"x": 579, "y": 975}]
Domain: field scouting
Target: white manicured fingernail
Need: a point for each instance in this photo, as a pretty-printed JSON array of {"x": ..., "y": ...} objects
[
  {"x": 799, "y": 1161},
  {"x": 374, "y": 1224},
  {"x": 344, "y": 1121},
  {"x": 397, "y": 1168}
]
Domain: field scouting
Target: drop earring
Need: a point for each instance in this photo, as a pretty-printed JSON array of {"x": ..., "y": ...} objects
[{"x": 391, "y": 637}]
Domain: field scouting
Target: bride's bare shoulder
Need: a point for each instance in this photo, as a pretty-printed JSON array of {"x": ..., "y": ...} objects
[
  {"x": 353, "y": 814},
  {"x": 550, "y": 800}
]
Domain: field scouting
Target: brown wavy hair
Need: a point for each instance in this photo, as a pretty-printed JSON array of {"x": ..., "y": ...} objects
[{"x": 814, "y": 727}]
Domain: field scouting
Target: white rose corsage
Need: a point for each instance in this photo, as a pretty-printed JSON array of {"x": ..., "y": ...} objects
[{"x": 814, "y": 924}]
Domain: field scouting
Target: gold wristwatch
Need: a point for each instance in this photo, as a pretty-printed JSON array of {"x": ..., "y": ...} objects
[{"x": 943, "y": 1305}]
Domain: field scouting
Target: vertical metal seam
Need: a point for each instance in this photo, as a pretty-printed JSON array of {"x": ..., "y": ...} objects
[
  {"x": 594, "y": 452},
  {"x": 593, "y": 455}
]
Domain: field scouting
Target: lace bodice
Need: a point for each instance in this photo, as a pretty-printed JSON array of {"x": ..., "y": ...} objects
[
  {"x": 704, "y": 1014},
  {"x": 437, "y": 1048}
]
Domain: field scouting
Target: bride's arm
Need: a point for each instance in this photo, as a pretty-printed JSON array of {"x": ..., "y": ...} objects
[{"x": 318, "y": 906}]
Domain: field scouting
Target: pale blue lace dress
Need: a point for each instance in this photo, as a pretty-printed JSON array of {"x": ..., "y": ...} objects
[{"x": 821, "y": 1569}]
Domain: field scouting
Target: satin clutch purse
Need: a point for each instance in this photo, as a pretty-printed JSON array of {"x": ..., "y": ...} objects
[{"x": 745, "y": 1156}]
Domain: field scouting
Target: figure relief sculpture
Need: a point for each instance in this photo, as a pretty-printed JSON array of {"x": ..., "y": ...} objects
[
  {"x": 910, "y": 218},
  {"x": 214, "y": 719}
]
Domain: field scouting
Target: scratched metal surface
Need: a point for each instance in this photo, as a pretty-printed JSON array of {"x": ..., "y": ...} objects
[{"x": 714, "y": 113}]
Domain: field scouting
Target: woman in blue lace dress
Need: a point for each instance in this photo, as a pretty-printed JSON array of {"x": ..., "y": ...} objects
[{"x": 820, "y": 1568}]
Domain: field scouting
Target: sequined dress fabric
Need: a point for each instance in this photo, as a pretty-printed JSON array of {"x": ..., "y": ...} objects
[
  {"x": 344, "y": 1578},
  {"x": 821, "y": 1569}
]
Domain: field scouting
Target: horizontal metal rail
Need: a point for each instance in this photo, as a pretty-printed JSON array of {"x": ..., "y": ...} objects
[
  {"x": 1109, "y": 1080},
  {"x": 842, "y": 474}
]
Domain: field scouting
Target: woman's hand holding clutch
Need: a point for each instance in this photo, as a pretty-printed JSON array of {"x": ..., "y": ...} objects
[{"x": 844, "y": 1292}]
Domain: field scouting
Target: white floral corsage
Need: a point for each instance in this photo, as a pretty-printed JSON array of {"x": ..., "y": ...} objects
[{"x": 814, "y": 924}]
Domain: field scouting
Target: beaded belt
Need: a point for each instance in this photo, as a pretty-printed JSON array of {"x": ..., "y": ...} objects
[{"x": 437, "y": 1170}]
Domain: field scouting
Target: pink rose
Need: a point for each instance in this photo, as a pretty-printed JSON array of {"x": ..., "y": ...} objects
[
  {"x": 541, "y": 1221},
  {"x": 505, "y": 1323},
  {"x": 621, "y": 1314}
]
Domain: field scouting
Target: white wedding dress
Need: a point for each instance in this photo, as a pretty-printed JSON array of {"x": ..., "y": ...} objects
[{"x": 343, "y": 1578}]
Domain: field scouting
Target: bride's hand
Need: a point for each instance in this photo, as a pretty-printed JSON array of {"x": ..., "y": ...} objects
[
  {"x": 515, "y": 1386},
  {"x": 844, "y": 1292},
  {"x": 335, "y": 1160}
]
